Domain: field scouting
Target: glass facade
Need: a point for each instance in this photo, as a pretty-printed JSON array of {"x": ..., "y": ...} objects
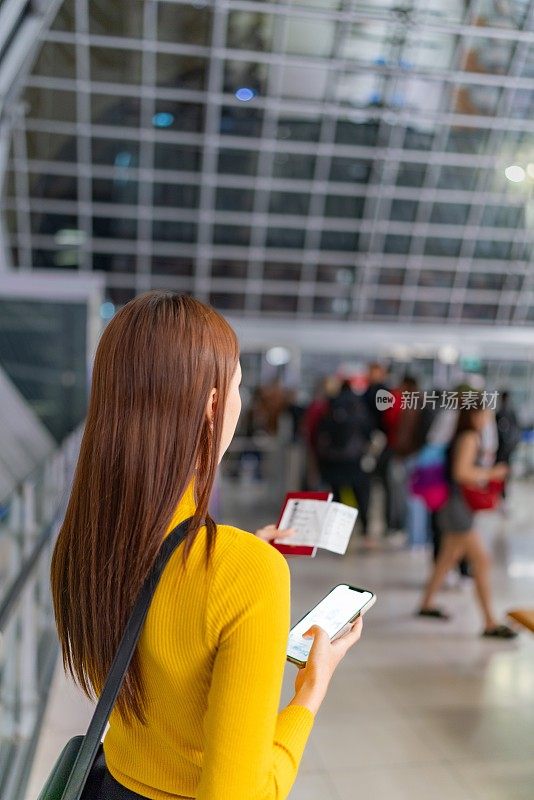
[{"x": 334, "y": 159}]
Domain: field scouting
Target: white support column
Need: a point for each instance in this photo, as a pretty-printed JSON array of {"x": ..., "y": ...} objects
[
  {"x": 28, "y": 617},
  {"x": 5, "y": 251}
]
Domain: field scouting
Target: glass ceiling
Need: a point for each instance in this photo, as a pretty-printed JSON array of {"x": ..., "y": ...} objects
[{"x": 341, "y": 160}]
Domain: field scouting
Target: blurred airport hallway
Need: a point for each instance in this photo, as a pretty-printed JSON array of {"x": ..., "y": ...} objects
[
  {"x": 351, "y": 185},
  {"x": 420, "y": 708}
]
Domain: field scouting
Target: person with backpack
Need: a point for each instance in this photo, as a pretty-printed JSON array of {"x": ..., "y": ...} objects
[
  {"x": 342, "y": 439},
  {"x": 471, "y": 487},
  {"x": 426, "y": 434}
]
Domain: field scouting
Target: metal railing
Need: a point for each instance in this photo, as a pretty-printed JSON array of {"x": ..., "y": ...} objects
[{"x": 29, "y": 522}]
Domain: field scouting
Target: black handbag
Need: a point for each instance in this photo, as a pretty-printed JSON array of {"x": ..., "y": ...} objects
[{"x": 81, "y": 760}]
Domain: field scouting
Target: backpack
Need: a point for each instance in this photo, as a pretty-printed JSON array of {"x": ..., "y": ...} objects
[
  {"x": 430, "y": 473},
  {"x": 343, "y": 433},
  {"x": 428, "y": 476}
]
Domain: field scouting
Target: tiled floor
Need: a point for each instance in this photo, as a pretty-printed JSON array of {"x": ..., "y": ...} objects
[{"x": 420, "y": 709}]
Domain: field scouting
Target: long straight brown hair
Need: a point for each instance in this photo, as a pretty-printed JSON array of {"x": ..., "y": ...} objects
[
  {"x": 467, "y": 415},
  {"x": 146, "y": 436}
]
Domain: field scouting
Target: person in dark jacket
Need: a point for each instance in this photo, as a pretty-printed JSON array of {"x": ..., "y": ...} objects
[
  {"x": 342, "y": 439},
  {"x": 377, "y": 382},
  {"x": 508, "y": 429}
]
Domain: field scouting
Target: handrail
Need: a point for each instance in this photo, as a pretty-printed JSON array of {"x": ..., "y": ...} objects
[
  {"x": 17, "y": 586},
  {"x": 29, "y": 477},
  {"x": 10, "y": 597},
  {"x": 27, "y": 632}
]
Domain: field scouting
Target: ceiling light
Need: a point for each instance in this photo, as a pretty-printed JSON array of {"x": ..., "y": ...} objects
[
  {"x": 107, "y": 310},
  {"x": 245, "y": 94},
  {"x": 277, "y": 356},
  {"x": 123, "y": 159},
  {"x": 162, "y": 120},
  {"x": 515, "y": 173},
  {"x": 69, "y": 237},
  {"x": 448, "y": 354}
]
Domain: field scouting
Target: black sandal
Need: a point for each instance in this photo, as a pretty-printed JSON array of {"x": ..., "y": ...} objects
[
  {"x": 435, "y": 613},
  {"x": 500, "y": 632}
]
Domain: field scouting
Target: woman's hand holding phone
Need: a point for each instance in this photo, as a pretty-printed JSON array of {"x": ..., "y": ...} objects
[{"x": 312, "y": 680}]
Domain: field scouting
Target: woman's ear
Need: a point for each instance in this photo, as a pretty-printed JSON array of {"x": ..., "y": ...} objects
[{"x": 211, "y": 406}]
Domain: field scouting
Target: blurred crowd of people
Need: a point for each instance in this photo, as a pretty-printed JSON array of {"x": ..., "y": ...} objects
[
  {"x": 375, "y": 433},
  {"x": 429, "y": 460},
  {"x": 397, "y": 436}
]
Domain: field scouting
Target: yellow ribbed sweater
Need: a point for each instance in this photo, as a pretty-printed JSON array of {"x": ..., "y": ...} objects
[{"x": 212, "y": 655}]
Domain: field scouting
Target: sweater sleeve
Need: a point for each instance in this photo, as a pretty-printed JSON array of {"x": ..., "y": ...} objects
[{"x": 252, "y": 752}]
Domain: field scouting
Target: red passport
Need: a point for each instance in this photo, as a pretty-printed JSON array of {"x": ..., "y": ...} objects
[{"x": 299, "y": 550}]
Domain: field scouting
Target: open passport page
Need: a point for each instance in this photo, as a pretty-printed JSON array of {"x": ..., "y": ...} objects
[{"x": 317, "y": 523}]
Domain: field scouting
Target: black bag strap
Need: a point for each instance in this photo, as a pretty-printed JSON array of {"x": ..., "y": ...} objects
[{"x": 91, "y": 742}]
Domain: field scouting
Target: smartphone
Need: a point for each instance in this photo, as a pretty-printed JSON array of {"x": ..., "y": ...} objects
[{"x": 335, "y": 613}]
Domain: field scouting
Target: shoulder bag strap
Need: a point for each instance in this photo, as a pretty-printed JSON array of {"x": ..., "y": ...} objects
[{"x": 91, "y": 742}]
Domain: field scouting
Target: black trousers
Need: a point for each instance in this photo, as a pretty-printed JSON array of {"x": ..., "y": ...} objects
[{"x": 360, "y": 483}]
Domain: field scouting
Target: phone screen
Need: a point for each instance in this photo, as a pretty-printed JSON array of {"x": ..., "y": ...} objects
[{"x": 332, "y": 614}]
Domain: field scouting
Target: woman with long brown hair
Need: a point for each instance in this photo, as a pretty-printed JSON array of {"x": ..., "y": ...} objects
[
  {"x": 198, "y": 714},
  {"x": 460, "y": 540}
]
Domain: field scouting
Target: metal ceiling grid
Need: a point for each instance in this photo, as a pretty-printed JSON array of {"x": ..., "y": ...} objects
[{"x": 336, "y": 160}]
